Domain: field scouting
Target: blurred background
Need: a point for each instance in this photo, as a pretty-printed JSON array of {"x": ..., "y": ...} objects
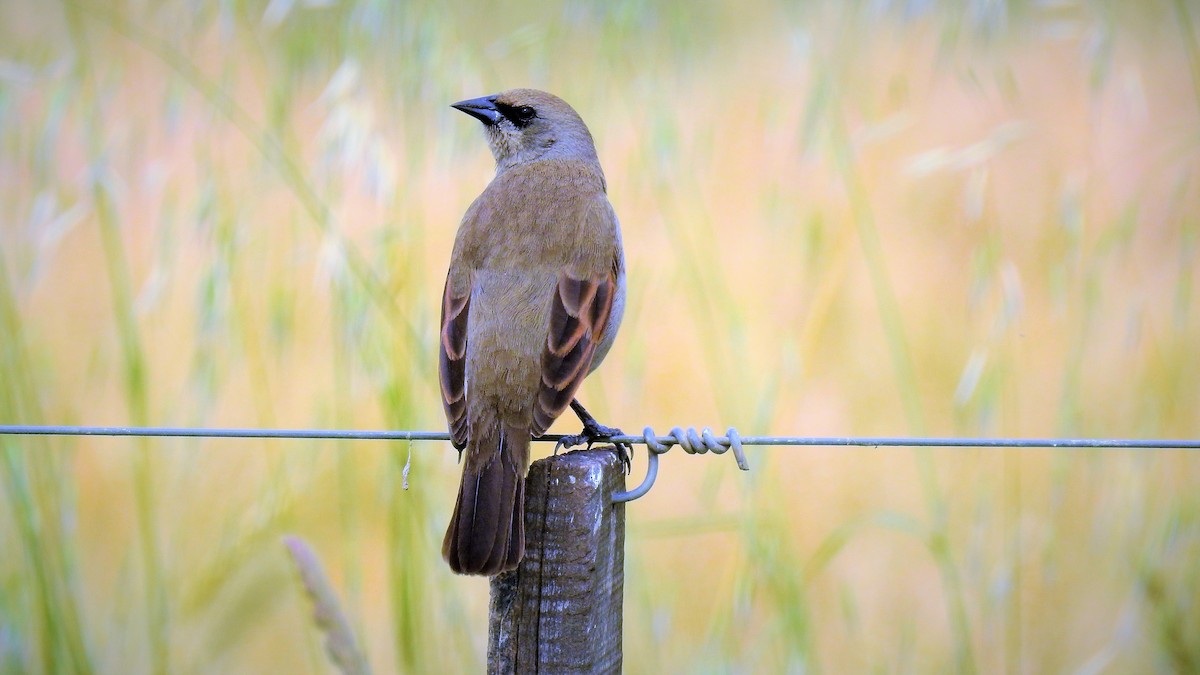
[{"x": 841, "y": 218}]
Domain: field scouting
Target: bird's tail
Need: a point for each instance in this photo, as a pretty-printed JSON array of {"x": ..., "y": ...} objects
[{"x": 487, "y": 531}]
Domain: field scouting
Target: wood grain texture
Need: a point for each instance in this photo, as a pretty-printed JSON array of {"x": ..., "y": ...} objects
[{"x": 560, "y": 610}]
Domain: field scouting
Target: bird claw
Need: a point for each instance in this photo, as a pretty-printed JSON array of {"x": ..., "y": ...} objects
[
  {"x": 625, "y": 454},
  {"x": 570, "y": 442},
  {"x": 593, "y": 433}
]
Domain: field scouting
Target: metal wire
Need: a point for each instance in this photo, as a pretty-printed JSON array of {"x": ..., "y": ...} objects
[
  {"x": 202, "y": 432},
  {"x": 691, "y": 441},
  {"x": 832, "y": 441}
]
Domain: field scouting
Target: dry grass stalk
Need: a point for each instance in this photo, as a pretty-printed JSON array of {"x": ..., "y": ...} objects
[{"x": 339, "y": 638}]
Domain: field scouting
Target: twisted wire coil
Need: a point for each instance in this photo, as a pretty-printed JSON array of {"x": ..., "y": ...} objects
[{"x": 693, "y": 443}]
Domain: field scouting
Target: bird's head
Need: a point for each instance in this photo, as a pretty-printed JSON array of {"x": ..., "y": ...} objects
[{"x": 524, "y": 125}]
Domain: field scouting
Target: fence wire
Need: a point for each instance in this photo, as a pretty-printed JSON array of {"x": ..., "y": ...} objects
[
  {"x": 387, "y": 435},
  {"x": 691, "y": 441}
]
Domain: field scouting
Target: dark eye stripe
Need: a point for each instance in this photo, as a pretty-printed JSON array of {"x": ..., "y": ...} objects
[{"x": 520, "y": 116}]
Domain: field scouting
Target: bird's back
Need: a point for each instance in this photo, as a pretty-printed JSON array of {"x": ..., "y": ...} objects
[{"x": 528, "y": 226}]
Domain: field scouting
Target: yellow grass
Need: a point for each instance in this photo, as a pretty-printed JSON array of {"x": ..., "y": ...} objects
[{"x": 840, "y": 219}]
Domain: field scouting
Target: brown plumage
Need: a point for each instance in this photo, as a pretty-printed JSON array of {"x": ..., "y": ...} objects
[{"x": 532, "y": 302}]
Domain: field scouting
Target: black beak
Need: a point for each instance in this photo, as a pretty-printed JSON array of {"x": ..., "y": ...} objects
[{"x": 483, "y": 109}]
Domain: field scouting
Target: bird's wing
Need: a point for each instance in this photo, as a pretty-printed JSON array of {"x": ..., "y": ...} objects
[
  {"x": 452, "y": 361},
  {"x": 579, "y": 311}
]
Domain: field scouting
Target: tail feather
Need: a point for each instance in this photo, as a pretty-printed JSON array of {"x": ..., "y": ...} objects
[
  {"x": 516, "y": 537},
  {"x": 487, "y": 531}
]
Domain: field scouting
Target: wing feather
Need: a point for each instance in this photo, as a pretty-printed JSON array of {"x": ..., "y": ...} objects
[
  {"x": 452, "y": 362},
  {"x": 579, "y": 311}
]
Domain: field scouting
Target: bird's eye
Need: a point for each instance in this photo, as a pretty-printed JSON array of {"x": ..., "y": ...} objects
[{"x": 526, "y": 113}]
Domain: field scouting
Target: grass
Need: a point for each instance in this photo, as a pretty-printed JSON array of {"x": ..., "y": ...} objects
[{"x": 841, "y": 218}]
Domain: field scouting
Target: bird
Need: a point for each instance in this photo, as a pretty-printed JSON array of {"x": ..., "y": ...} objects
[{"x": 532, "y": 302}]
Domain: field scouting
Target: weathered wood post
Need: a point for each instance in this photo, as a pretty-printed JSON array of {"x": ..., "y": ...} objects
[{"x": 560, "y": 611}]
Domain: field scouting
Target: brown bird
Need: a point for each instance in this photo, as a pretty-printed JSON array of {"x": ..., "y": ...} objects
[{"x": 532, "y": 303}]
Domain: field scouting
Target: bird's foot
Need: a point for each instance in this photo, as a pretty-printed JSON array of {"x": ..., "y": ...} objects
[
  {"x": 593, "y": 433},
  {"x": 598, "y": 432}
]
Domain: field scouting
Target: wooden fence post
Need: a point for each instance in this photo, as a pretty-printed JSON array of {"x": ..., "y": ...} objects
[{"x": 560, "y": 611}]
